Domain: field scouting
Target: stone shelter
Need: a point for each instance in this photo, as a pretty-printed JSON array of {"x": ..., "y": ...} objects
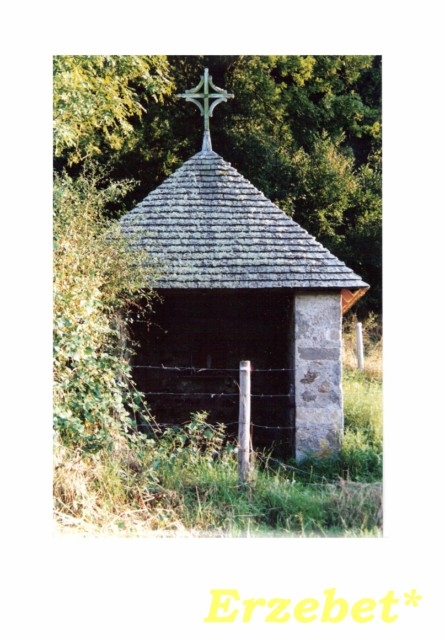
[{"x": 240, "y": 280}]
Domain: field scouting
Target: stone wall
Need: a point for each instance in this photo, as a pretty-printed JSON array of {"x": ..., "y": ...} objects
[{"x": 318, "y": 391}]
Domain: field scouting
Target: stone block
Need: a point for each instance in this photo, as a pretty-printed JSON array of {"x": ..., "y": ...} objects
[{"x": 318, "y": 392}]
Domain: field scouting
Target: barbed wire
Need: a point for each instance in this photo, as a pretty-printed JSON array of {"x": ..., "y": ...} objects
[
  {"x": 214, "y": 394},
  {"x": 193, "y": 369},
  {"x": 217, "y": 394},
  {"x": 265, "y": 458},
  {"x": 262, "y": 426},
  {"x": 167, "y": 425}
]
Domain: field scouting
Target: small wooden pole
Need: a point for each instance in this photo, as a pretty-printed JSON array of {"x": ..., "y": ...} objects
[
  {"x": 244, "y": 423},
  {"x": 359, "y": 339}
]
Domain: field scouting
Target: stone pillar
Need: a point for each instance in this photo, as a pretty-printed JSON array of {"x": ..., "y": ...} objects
[{"x": 318, "y": 391}]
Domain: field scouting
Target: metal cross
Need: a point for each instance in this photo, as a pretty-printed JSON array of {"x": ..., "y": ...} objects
[{"x": 206, "y": 108}]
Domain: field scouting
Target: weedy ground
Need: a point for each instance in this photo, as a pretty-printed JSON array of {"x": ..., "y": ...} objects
[{"x": 183, "y": 481}]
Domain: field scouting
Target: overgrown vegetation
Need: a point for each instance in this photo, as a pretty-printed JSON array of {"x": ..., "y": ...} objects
[
  {"x": 183, "y": 480},
  {"x": 96, "y": 279}
]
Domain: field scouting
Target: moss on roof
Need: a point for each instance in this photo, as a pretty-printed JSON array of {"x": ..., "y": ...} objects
[{"x": 210, "y": 228}]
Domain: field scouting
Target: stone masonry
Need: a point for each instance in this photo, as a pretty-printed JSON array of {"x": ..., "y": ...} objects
[
  {"x": 318, "y": 391},
  {"x": 208, "y": 229}
]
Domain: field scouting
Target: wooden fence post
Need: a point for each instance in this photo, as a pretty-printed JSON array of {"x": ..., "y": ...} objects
[
  {"x": 244, "y": 423},
  {"x": 359, "y": 339}
]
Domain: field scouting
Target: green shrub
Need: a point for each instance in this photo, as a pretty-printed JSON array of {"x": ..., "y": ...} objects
[{"x": 96, "y": 278}]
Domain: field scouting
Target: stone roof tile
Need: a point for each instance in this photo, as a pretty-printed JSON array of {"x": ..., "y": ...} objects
[{"x": 206, "y": 226}]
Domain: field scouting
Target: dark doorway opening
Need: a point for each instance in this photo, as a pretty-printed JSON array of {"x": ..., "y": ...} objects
[{"x": 189, "y": 353}]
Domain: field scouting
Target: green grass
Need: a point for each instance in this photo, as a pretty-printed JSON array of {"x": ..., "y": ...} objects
[
  {"x": 184, "y": 481},
  {"x": 176, "y": 484}
]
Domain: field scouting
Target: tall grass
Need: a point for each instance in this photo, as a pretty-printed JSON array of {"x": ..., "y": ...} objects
[
  {"x": 184, "y": 480},
  {"x": 362, "y": 446},
  {"x": 206, "y": 500}
]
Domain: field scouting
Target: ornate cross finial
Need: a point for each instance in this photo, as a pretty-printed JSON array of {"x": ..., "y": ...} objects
[{"x": 201, "y": 92}]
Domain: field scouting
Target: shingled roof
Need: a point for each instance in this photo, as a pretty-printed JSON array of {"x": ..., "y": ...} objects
[{"x": 208, "y": 227}]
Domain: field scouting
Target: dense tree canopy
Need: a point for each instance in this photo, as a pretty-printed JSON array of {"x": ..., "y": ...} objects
[
  {"x": 306, "y": 130},
  {"x": 96, "y": 97}
]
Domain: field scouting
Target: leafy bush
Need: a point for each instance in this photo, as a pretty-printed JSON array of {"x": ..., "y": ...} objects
[{"x": 95, "y": 280}]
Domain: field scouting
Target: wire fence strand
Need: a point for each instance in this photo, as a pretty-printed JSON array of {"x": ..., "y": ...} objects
[
  {"x": 213, "y": 395},
  {"x": 193, "y": 369}
]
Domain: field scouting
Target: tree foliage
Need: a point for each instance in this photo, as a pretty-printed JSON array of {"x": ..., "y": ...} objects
[{"x": 96, "y": 99}]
